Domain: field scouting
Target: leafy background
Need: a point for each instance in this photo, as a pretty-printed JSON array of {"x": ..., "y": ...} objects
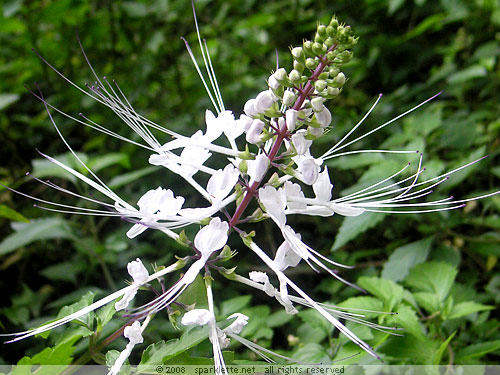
[{"x": 438, "y": 271}]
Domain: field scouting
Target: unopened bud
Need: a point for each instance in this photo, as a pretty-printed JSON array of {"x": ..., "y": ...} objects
[
  {"x": 308, "y": 48},
  {"x": 330, "y": 31},
  {"x": 298, "y": 66},
  {"x": 291, "y": 119},
  {"x": 298, "y": 53},
  {"x": 329, "y": 42},
  {"x": 332, "y": 92},
  {"x": 317, "y": 48},
  {"x": 249, "y": 108},
  {"x": 339, "y": 79},
  {"x": 273, "y": 82},
  {"x": 294, "y": 76},
  {"x": 320, "y": 85},
  {"x": 311, "y": 63},
  {"x": 323, "y": 76},
  {"x": 317, "y": 104},
  {"x": 324, "y": 117},
  {"x": 334, "y": 23},
  {"x": 257, "y": 168},
  {"x": 264, "y": 101},
  {"x": 253, "y": 134},
  {"x": 322, "y": 30},
  {"x": 281, "y": 75},
  {"x": 315, "y": 132},
  {"x": 333, "y": 70},
  {"x": 289, "y": 98}
]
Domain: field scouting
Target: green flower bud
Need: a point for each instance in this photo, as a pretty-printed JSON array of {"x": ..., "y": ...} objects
[
  {"x": 294, "y": 76},
  {"x": 318, "y": 39},
  {"x": 317, "y": 48},
  {"x": 298, "y": 66},
  {"x": 331, "y": 55},
  {"x": 334, "y": 22},
  {"x": 339, "y": 79},
  {"x": 308, "y": 48},
  {"x": 329, "y": 42},
  {"x": 331, "y": 31},
  {"x": 322, "y": 30},
  {"x": 333, "y": 70},
  {"x": 320, "y": 85},
  {"x": 311, "y": 63},
  {"x": 332, "y": 92},
  {"x": 323, "y": 76}
]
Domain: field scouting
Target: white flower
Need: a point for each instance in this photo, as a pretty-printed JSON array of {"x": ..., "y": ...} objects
[
  {"x": 275, "y": 202},
  {"x": 199, "y": 317},
  {"x": 133, "y": 333},
  {"x": 300, "y": 142},
  {"x": 236, "y": 326},
  {"x": 317, "y": 104},
  {"x": 211, "y": 237},
  {"x": 257, "y": 168},
  {"x": 273, "y": 83},
  {"x": 289, "y": 98},
  {"x": 222, "y": 182},
  {"x": 140, "y": 275},
  {"x": 286, "y": 257},
  {"x": 323, "y": 187},
  {"x": 244, "y": 122},
  {"x": 308, "y": 170},
  {"x": 255, "y": 130},
  {"x": 250, "y": 109},
  {"x": 155, "y": 205},
  {"x": 294, "y": 191}
]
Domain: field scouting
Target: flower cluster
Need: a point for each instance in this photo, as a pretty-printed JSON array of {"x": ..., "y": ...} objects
[{"x": 271, "y": 166}]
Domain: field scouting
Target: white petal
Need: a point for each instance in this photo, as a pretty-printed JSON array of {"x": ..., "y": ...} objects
[
  {"x": 138, "y": 272},
  {"x": 346, "y": 210},
  {"x": 257, "y": 168},
  {"x": 236, "y": 326},
  {"x": 133, "y": 333},
  {"x": 211, "y": 237},
  {"x": 274, "y": 202},
  {"x": 197, "y": 317},
  {"x": 323, "y": 187}
]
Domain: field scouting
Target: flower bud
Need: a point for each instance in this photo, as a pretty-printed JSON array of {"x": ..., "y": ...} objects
[
  {"x": 257, "y": 168},
  {"x": 298, "y": 53},
  {"x": 324, "y": 117},
  {"x": 315, "y": 132},
  {"x": 330, "y": 31},
  {"x": 298, "y": 66},
  {"x": 320, "y": 85},
  {"x": 273, "y": 82},
  {"x": 317, "y": 48},
  {"x": 339, "y": 79},
  {"x": 332, "y": 92},
  {"x": 322, "y": 30},
  {"x": 253, "y": 134},
  {"x": 318, "y": 39},
  {"x": 311, "y": 63},
  {"x": 291, "y": 119},
  {"x": 250, "y": 109},
  {"x": 281, "y": 123},
  {"x": 294, "y": 76},
  {"x": 281, "y": 75},
  {"x": 264, "y": 101},
  {"x": 308, "y": 48},
  {"x": 317, "y": 104},
  {"x": 289, "y": 98},
  {"x": 329, "y": 42},
  {"x": 333, "y": 71},
  {"x": 245, "y": 122},
  {"x": 300, "y": 143},
  {"x": 138, "y": 272}
]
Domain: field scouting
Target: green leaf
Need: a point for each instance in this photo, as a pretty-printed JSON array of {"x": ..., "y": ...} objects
[
  {"x": 104, "y": 315},
  {"x": 459, "y": 176},
  {"x": 65, "y": 271},
  {"x": 478, "y": 350},
  {"x": 466, "y": 308},
  {"x": 127, "y": 178},
  {"x": 36, "y": 230},
  {"x": 10, "y": 214},
  {"x": 386, "y": 290},
  {"x": 404, "y": 258},
  {"x": 363, "y": 303},
  {"x": 410, "y": 348},
  {"x": 96, "y": 163},
  {"x": 472, "y": 72},
  {"x": 441, "y": 349},
  {"x": 428, "y": 301},
  {"x": 45, "y": 168},
  {"x": 407, "y": 318},
  {"x": 162, "y": 351},
  {"x": 355, "y": 225},
  {"x": 8, "y": 99},
  {"x": 233, "y": 305},
  {"x": 434, "y": 277},
  {"x": 312, "y": 353},
  {"x": 85, "y": 320}
]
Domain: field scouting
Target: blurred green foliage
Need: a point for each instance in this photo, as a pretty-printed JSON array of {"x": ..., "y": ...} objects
[{"x": 438, "y": 271}]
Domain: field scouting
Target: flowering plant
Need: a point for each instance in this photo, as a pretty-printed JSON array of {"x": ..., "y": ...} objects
[{"x": 274, "y": 167}]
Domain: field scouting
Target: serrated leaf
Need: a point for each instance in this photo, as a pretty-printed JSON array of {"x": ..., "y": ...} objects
[
  {"x": 36, "y": 230},
  {"x": 404, "y": 258},
  {"x": 10, "y": 214},
  {"x": 355, "y": 225},
  {"x": 386, "y": 290},
  {"x": 105, "y": 313},
  {"x": 428, "y": 301},
  {"x": 85, "y": 301},
  {"x": 407, "y": 318},
  {"x": 434, "y": 277},
  {"x": 466, "y": 308},
  {"x": 312, "y": 353},
  {"x": 441, "y": 349}
]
